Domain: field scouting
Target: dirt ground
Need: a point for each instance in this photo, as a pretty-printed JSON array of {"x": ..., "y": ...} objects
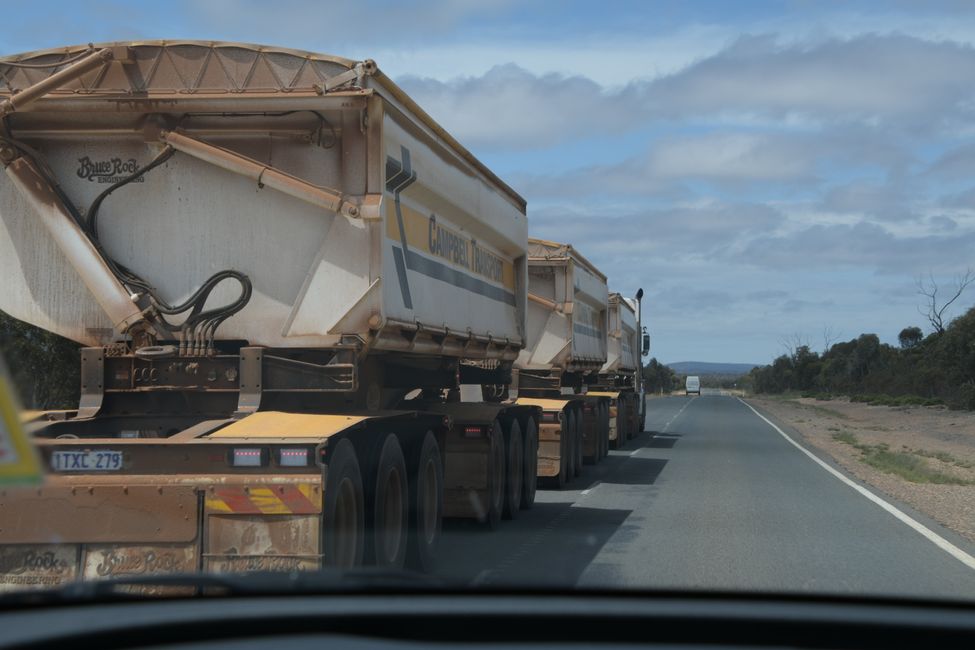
[{"x": 944, "y": 441}]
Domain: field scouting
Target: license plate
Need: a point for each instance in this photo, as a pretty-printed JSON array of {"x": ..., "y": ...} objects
[{"x": 86, "y": 461}]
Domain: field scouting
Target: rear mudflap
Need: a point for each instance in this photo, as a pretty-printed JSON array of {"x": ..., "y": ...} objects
[{"x": 54, "y": 536}]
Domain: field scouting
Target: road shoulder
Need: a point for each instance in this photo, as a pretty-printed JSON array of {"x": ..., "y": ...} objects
[{"x": 941, "y": 508}]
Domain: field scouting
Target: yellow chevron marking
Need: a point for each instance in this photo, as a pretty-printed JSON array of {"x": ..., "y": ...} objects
[
  {"x": 307, "y": 489},
  {"x": 218, "y": 505},
  {"x": 267, "y": 502}
]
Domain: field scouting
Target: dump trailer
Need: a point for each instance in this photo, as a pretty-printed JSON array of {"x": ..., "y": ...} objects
[
  {"x": 568, "y": 302},
  {"x": 619, "y": 379},
  {"x": 281, "y": 270}
]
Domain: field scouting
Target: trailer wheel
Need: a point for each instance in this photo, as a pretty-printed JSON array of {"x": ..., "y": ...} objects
[
  {"x": 589, "y": 421},
  {"x": 635, "y": 416},
  {"x": 558, "y": 481},
  {"x": 426, "y": 512},
  {"x": 569, "y": 433},
  {"x": 496, "y": 482},
  {"x": 621, "y": 434},
  {"x": 578, "y": 439},
  {"x": 597, "y": 433},
  {"x": 343, "y": 509},
  {"x": 529, "y": 483},
  {"x": 390, "y": 511},
  {"x": 603, "y": 427},
  {"x": 514, "y": 472}
]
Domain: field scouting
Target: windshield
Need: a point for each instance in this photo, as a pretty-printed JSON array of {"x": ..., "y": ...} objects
[{"x": 558, "y": 294}]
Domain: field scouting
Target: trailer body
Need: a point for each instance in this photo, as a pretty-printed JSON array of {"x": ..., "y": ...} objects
[
  {"x": 281, "y": 268},
  {"x": 568, "y": 304},
  {"x": 619, "y": 378},
  {"x": 437, "y": 246}
]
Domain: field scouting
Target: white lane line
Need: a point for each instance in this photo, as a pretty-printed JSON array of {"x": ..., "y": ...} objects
[
  {"x": 932, "y": 536},
  {"x": 670, "y": 421},
  {"x": 590, "y": 488}
]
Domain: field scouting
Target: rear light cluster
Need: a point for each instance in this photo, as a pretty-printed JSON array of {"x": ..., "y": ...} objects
[
  {"x": 293, "y": 457},
  {"x": 261, "y": 457},
  {"x": 551, "y": 416},
  {"x": 473, "y": 431}
]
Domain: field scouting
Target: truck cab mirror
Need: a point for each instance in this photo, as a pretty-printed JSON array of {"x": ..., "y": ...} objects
[{"x": 645, "y": 348}]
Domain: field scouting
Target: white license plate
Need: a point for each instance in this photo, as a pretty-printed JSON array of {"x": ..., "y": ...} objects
[{"x": 102, "y": 460}]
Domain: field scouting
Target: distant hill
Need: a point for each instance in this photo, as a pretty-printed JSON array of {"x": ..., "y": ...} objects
[{"x": 708, "y": 368}]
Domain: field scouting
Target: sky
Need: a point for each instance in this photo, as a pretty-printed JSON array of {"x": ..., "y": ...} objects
[{"x": 768, "y": 172}]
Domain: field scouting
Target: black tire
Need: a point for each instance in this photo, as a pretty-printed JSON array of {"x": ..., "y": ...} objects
[
  {"x": 496, "y": 478},
  {"x": 621, "y": 433},
  {"x": 390, "y": 512},
  {"x": 426, "y": 506},
  {"x": 514, "y": 471},
  {"x": 578, "y": 438},
  {"x": 569, "y": 431},
  {"x": 530, "y": 482},
  {"x": 604, "y": 426},
  {"x": 604, "y": 429},
  {"x": 560, "y": 480},
  {"x": 343, "y": 509},
  {"x": 593, "y": 431}
]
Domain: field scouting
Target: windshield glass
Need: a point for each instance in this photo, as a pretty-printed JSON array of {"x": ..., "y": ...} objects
[{"x": 556, "y": 294}]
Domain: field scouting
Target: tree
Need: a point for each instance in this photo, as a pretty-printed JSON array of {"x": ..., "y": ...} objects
[
  {"x": 829, "y": 338},
  {"x": 793, "y": 344},
  {"x": 910, "y": 337},
  {"x": 657, "y": 377},
  {"x": 934, "y": 308},
  {"x": 45, "y": 368}
]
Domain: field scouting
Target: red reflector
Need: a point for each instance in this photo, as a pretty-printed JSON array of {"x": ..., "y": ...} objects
[
  {"x": 293, "y": 458},
  {"x": 550, "y": 417},
  {"x": 247, "y": 458}
]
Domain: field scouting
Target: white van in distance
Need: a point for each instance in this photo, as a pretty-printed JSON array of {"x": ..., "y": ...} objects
[{"x": 693, "y": 385}]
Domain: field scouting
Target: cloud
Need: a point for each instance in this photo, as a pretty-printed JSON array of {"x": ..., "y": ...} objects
[
  {"x": 862, "y": 245},
  {"x": 868, "y": 78},
  {"x": 876, "y": 82},
  {"x": 882, "y": 201},
  {"x": 703, "y": 230},
  {"x": 956, "y": 164},
  {"x": 731, "y": 157},
  {"x": 511, "y": 108},
  {"x": 964, "y": 199}
]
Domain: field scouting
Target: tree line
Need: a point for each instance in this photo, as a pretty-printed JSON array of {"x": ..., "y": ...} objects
[
  {"x": 659, "y": 378},
  {"x": 44, "y": 367},
  {"x": 938, "y": 368}
]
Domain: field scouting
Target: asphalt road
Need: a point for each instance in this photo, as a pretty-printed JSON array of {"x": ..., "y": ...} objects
[{"x": 710, "y": 497}]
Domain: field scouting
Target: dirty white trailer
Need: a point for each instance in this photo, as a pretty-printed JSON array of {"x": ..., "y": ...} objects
[
  {"x": 281, "y": 269},
  {"x": 568, "y": 302},
  {"x": 619, "y": 379}
]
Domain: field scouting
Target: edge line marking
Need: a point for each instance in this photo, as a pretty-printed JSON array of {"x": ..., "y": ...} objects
[{"x": 904, "y": 518}]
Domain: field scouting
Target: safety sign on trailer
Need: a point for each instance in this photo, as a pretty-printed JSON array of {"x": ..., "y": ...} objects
[{"x": 18, "y": 459}]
